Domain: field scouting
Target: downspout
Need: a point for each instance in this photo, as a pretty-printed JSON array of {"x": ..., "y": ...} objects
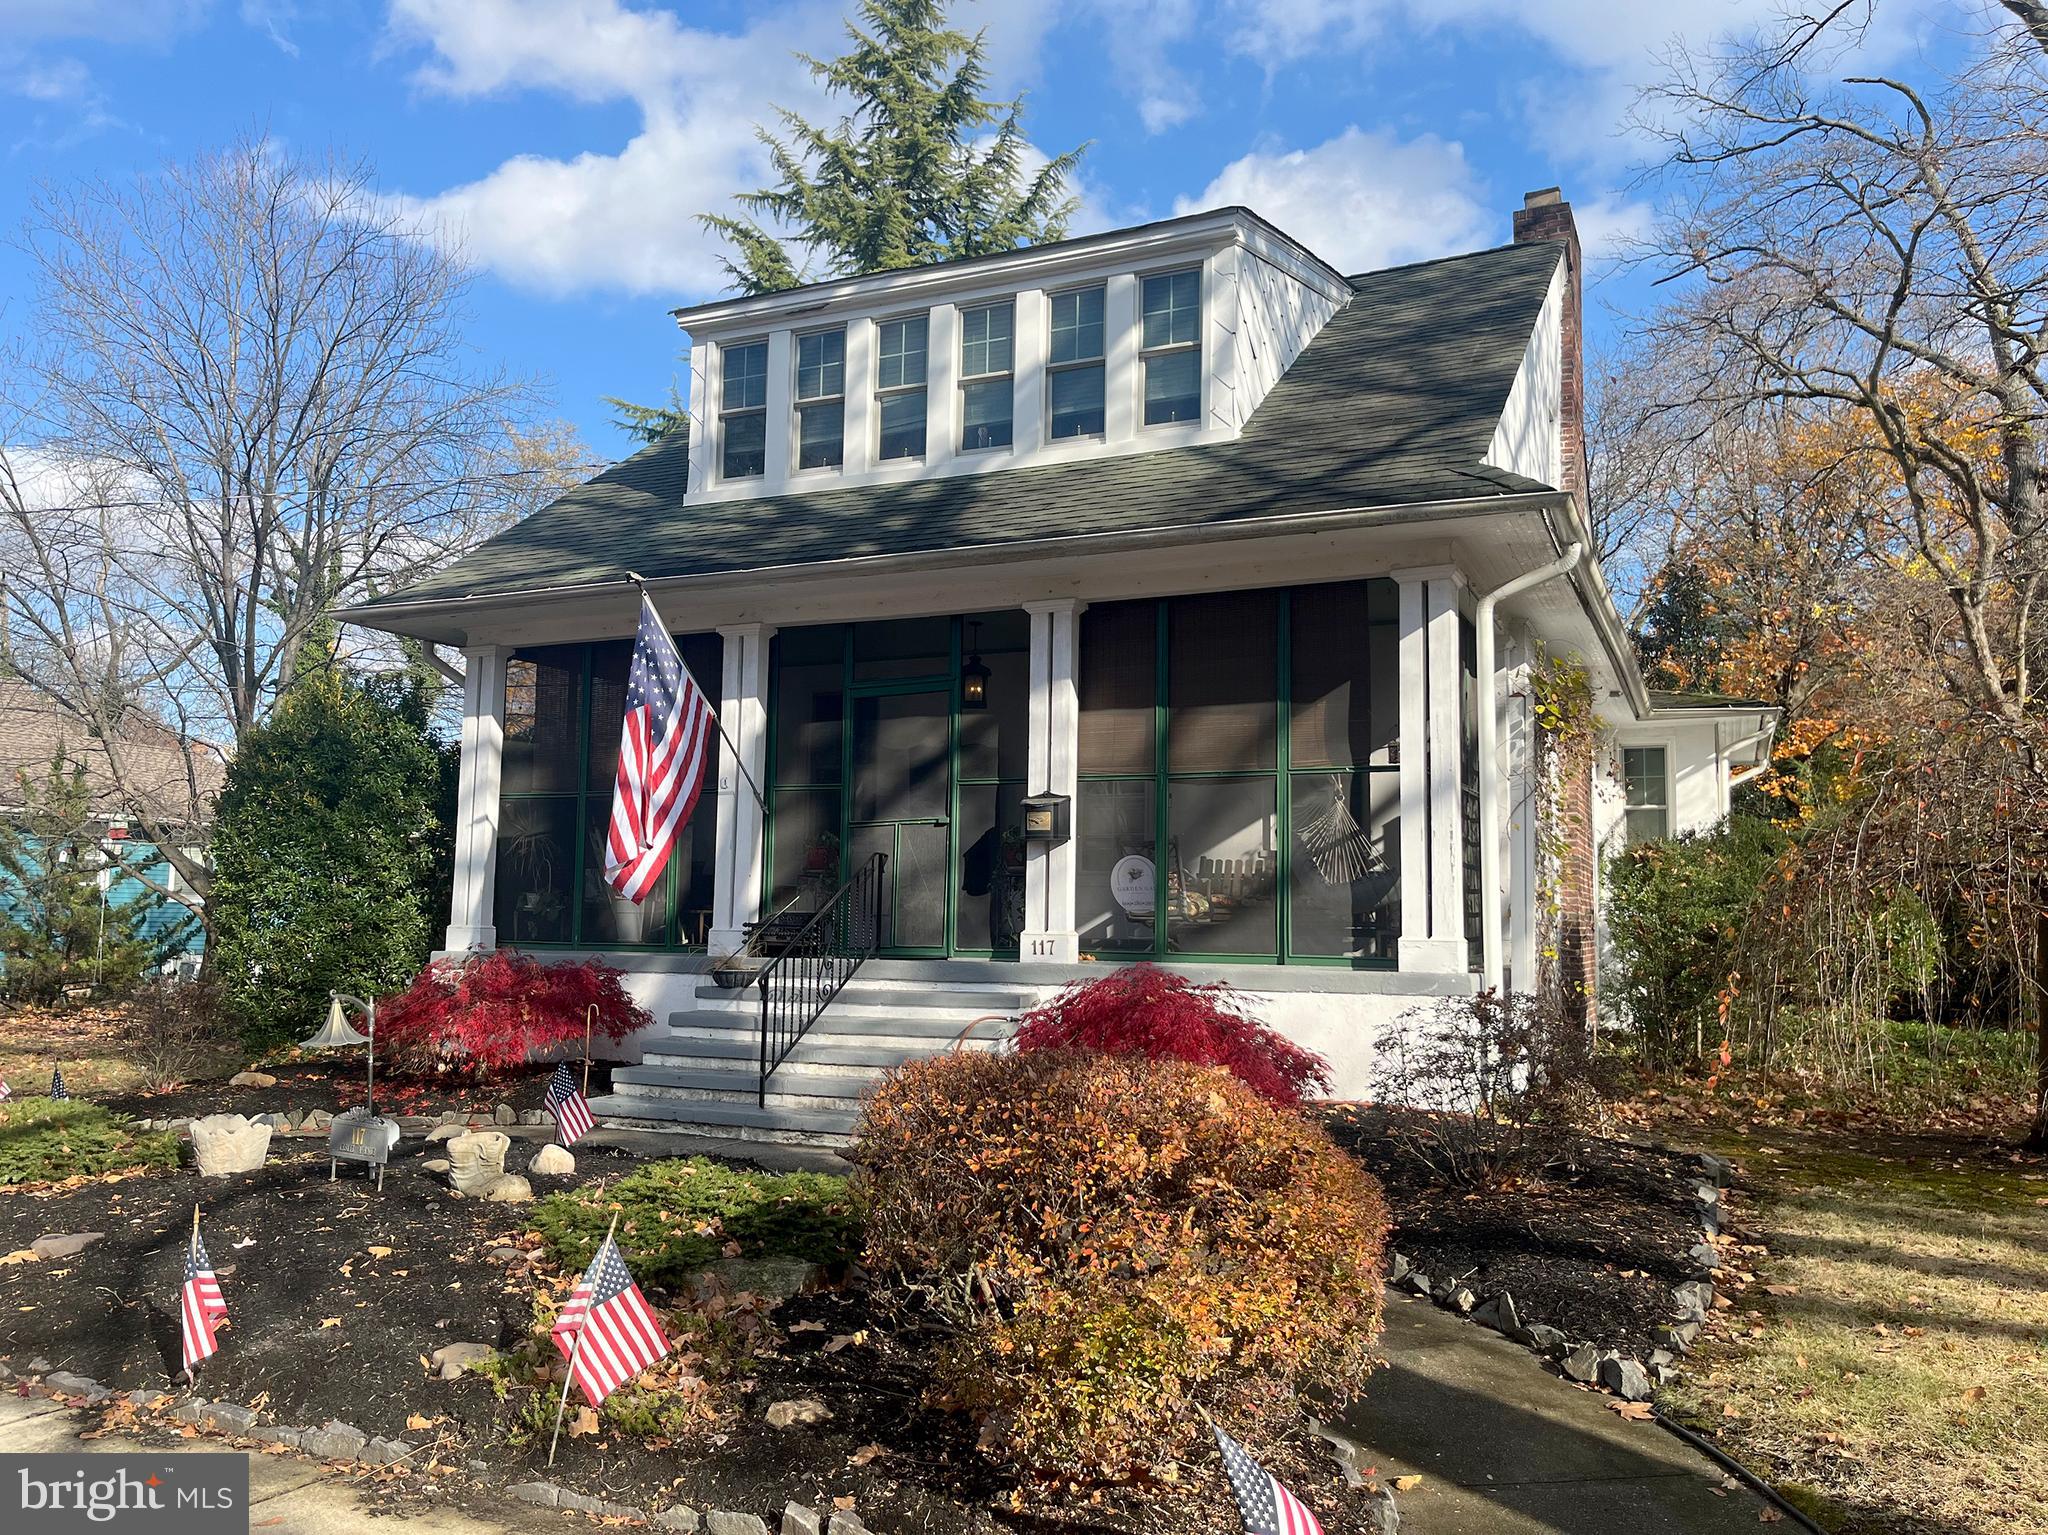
[{"x": 1490, "y": 968}]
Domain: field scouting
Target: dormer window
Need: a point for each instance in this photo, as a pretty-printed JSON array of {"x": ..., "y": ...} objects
[
  {"x": 743, "y": 411},
  {"x": 821, "y": 400},
  {"x": 899, "y": 386},
  {"x": 1172, "y": 350},
  {"x": 1074, "y": 364},
  {"x": 987, "y": 385}
]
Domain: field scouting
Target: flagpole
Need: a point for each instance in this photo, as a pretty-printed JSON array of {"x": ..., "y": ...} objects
[
  {"x": 589, "y": 1016},
  {"x": 191, "y": 1252},
  {"x": 575, "y": 1348},
  {"x": 737, "y": 760}
]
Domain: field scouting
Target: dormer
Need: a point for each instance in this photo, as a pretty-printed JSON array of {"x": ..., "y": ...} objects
[{"x": 1157, "y": 337}]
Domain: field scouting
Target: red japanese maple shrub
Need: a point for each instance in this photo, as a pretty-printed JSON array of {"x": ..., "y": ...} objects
[
  {"x": 495, "y": 1012},
  {"x": 1152, "y": 1013}
]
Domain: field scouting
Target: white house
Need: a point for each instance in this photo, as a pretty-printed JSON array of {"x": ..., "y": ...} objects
[{"x": 1230, "y": 567}]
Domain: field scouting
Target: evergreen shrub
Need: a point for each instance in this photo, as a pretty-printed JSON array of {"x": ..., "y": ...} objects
[
  {"x": 1114, "y": 1246},
  {"x": 45, "y": 1140}
]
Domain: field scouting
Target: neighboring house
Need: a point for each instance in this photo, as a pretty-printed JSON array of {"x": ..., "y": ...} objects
[
  {"x": 1206, "y": 525},
  {"x": 34, "y": 733}
]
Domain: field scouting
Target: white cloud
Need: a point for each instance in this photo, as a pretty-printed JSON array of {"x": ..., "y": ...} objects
[
  {"x": 1362, "y": 199},
  {"x": 1608, "y": 223}
]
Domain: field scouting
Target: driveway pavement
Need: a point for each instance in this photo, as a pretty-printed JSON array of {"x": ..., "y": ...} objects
[{"x": 1503, "y": 1447}]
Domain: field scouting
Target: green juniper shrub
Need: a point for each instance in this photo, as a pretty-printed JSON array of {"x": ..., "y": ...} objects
[
  {"x": 1676, "y": 915},
  {"x": 1115, "y": 1246},
  {"x": 675, "y": 1217},
  {"x": 327, "y": 852},
  {"x": 45, "y": 1140}
]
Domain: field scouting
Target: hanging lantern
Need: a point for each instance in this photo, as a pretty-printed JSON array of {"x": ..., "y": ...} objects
[{"x": 973, "y": 674}]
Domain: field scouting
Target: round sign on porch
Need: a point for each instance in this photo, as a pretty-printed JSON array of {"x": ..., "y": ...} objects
[{"x": 1130, "y": 882}]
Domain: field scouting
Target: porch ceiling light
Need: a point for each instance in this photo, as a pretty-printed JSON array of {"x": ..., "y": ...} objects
[{"x": 973, "y": 674}]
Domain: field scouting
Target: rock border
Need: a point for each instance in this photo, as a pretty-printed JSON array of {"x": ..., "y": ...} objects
[
  {"x": 1630, "y": 1378},
  {"x": 341, "y": 1443}
]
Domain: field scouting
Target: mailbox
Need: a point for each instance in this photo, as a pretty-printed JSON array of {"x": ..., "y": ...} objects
[
  {"x": 1048, "y": 818},
  {"x": 360, "y": 1136}
]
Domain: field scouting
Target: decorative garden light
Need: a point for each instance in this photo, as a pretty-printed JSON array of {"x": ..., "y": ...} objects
[{"x": 359, "y": 1135}]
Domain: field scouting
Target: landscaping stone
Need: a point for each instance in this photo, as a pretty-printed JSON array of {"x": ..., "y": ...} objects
[
  {"x": 225, "y": 1144},
  {"x": 1463, "y": 1300},
  {"x": 1706, "y": 1255},
  {"x": 194, "y": 1411},
  {"x": 1419, "y": 1283},
  {"x": 1678, "y": 1337},
  {"x": 1384, "y": 1516},
  {"x": 1399, "y": 1271},
  {"x": 1626, "y": 1379},
  {"x": 679, "y": 1517},
  {"x": 534, "y": 1116},
  {"x": 505, "y": 1114},
  {"x": 1695, "y": 1300},
  {"x": 773, "y": 1279},
  {"x": 718, "y": 1522},
  {"x": 454, "y": 1358},
  {"x": 236, "y": 1420},
  {"x": 288, "y": 1437},
  {"x": 1342, "y": 1450},
  {"x": 1719, "y": 1170},
  {"x": 1582, "y": 1364},
  {"x": 844, "y": 1523},
  {"x": 805, "y": 1409},
  {"x": 504, "y": 1255},
  {"x": 142, "y": 1398},
  {"x": 252, "y": 1079},
  {"x": 452, "y": 1117},
  {"x": 511, "y": 1189},
  {"x": 798, "y": 1520},
  {"x": 477, "y": 1160},
  {"x": 541, "y": 1494},
  {"x": 67, "y": 1384},
  {"x": 577, "y": 1502},
  {"x": 1543, "y": 1337},
  {"x": 336, "y": 1441},
  {"x": 277, "y": 1122},
  {"x": 68, "y": 1245},
  {"x": 40, "y": 1366},
  {"x": 1498, "y": 1312},
  {"x": 552, "y": 1161},
  {"x": 319, "y": 1119},
  {"x": 386, "y": 1452}
]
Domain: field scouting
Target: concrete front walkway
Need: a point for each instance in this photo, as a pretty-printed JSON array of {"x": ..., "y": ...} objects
[
  {"x": 1503, "y": 1447},
  {"x": 288, "y": 1495}
]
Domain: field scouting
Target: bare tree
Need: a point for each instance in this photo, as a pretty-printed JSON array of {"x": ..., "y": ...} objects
[{"x": 245, "y": 399}]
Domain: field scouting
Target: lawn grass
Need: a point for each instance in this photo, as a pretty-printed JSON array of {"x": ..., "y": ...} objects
[{"x": 1894, "y": 1375}]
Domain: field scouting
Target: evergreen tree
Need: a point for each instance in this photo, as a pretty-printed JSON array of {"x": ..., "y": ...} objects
[
  {"x": 912, "y": 173},
  {"x": 649, "y": 424},
  {"x": 329, "y": 850},
  {"x": 57, "y": 931}
]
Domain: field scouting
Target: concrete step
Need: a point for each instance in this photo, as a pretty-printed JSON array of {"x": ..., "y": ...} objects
[
  {"x": 787, "y": 1088},
  {"x": 734, "y": 1121},
  {"x": 880, "y": 1028},
  {"x": 823, "y": 1054},
  {"x": 869, "y": 999}
]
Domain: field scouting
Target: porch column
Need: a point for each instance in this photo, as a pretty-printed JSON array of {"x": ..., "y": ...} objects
[
  {"x": 470, "y": 924},
  {"x": 1432, "y": 854},
  {"x": 743, "y": 712},
  {"x": 1053, "y": 768},
  {"x": 1522, "y": 805}
]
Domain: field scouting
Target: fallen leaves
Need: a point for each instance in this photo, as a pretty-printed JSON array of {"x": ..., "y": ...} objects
[
  {"x": 1406, "y": 1483},
  {"x": 583, "y": 1421},
  {"x": 330, "y": 1321},
  {"x": 1635, "y": 1412}
]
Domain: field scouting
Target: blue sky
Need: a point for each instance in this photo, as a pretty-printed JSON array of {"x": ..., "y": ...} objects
[{"x": 569, "y": 143}]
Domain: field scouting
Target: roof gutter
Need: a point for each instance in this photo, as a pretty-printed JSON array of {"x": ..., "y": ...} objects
[{"x": 1490, "y": 966}]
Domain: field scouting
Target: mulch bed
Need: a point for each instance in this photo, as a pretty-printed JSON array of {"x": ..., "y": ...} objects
[
  {"x": 1591, "y": 1246},
  {"x": 336, "y": 1082},
  {"x": 322, "y": 1327}
]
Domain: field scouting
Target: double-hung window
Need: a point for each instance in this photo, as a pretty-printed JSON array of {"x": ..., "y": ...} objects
[
  {"x": 1074, "y": 364},
  {"x": 1172, "y": 350},
  {"x": 821, "y": 400},
  {"x": 743, "y": 410},
  {"x": 899, "y": 386},
  {"x": 1646, "y": 784},
  {"x": 987, "y": 388}
]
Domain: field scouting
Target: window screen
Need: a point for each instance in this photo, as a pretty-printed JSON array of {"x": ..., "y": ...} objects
[
  {"x": 1222, "y": 683},
  {"x": 1119, "y": 665}
]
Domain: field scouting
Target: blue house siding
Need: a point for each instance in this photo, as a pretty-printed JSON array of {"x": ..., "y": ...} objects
[{"x": 172, "y": 923}]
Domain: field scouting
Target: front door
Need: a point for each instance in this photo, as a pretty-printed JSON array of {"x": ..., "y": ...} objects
[{"x": 900, "y": 804}]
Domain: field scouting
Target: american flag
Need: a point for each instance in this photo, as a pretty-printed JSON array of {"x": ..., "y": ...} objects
[
  {"x": 620, "y": 1335},
  {"x": 6, "y": 1092},
  {"x": 663, "y": 747},
  {"x": 201, "y": 1303},
  {"x": 571, "y": 1109},
  {"x": 57, "y": 1083},
  {"x": 1268, "y": 1507}
]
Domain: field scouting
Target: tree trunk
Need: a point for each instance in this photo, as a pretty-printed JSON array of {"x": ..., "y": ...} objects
[{"x": 2037, "y": 1134}]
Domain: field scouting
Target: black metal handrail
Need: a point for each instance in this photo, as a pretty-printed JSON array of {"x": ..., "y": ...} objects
[{"x": 800, "y": 982}]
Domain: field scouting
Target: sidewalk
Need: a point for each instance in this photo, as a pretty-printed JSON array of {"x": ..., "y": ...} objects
[
  {"x": 1502, "y": 1447},
  {"x": 1505, "y": 1448}
]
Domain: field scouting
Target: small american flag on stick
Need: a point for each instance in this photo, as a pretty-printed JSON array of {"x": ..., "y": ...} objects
[
  {"x": 606, "y": 1329},
  {"x": 664, "y": 744},
  {"x": 573, "y": 1119},
  {"x": 200, "y": 1300},
  {"x": 57, "y": 1083},
  {"x": 6, "y": 1092},
  {"x": 1267, "y": 1506}
]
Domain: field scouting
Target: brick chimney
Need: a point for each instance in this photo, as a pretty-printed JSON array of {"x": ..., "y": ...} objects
[{"x": 1545, "y": 215}]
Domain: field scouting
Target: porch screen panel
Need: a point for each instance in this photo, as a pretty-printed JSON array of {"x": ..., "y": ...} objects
[
  {"x": 1118, "y": 688},
  {"x": 994, "y": 752},
  {"x": 543, "y": 721},
  {"x": 1222, "y": 682},
  {"x": 1116, "y": 888},
  {"x": 808, "y": 669},
  {"x": 1344, "y": 771}
]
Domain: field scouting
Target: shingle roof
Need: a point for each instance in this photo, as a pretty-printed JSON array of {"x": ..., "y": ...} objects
[
  {"x": 34, "y": 731},
  {"x": 1667, "y": 698},
  {"x": 1393, "y": 403}
]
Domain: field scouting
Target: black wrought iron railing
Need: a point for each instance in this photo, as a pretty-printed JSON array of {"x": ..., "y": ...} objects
[{"x": 809, "y": 970}]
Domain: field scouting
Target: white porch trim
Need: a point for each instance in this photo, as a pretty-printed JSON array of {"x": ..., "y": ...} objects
[
  {"x": 1432, "y": 854},
  {"x": 743, "y": 714},
  {"x": 470, "y": 924},
  {"x": 1053, "y": 767}
]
